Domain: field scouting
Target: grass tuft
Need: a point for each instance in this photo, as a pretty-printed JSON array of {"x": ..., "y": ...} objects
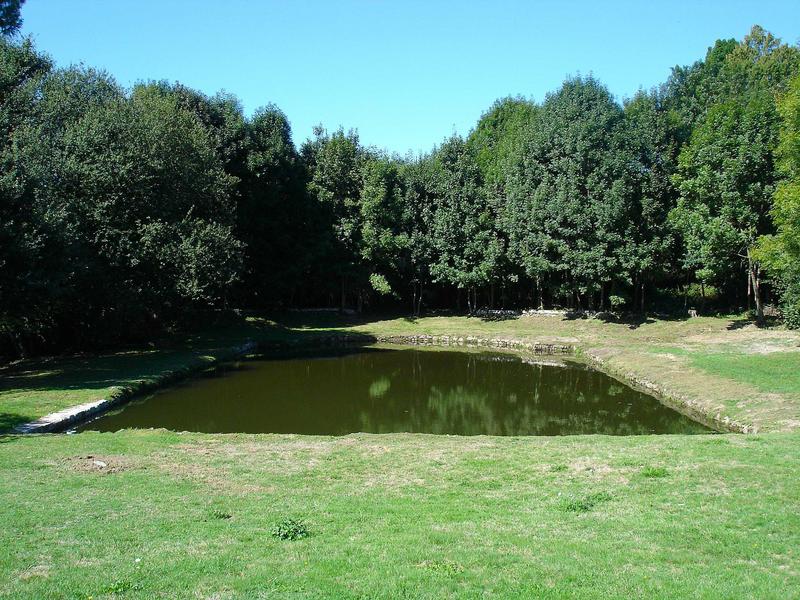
[
  {"x": 654, "y": 472},
  {"x": 445, "y": 566},
  {"x": 585, "y": 503}
]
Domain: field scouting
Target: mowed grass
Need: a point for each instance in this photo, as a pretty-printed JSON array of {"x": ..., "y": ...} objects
[
  {"x": 147, "y": 514},
  {"x": 777, "y": 372}
]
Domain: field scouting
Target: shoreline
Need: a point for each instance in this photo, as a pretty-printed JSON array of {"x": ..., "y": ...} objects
[{"x": 59, "y": 421}]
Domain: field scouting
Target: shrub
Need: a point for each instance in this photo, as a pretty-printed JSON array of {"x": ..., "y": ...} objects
[{"x": 616, "y": 302}]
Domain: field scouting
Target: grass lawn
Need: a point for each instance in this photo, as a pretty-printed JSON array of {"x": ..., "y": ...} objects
[
  {"x": 144, "y": 514},
  {"x": 399, "y": 516},
  {"x": 393, "y": 516}
]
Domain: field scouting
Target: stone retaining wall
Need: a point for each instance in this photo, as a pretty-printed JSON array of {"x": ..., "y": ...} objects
[{"x": 474, "y": 341}]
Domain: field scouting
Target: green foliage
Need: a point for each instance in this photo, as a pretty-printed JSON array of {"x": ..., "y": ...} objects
[
  {"x": 379, "y": 284},
  {"x": 616, "y": 302},
  {"x": 498, "y": 137},
  {"x": 290, "y": 529},
  {"x": 467, "y": 246},
  {"x": 781, "y": 252},
  {"x": 567, "y": 200},
  {"x": 10, "y": 20},
  {"x": 726, "y": 178}
]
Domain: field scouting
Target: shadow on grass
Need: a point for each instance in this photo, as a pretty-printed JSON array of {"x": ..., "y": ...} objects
[
  {"x": 10, "y": 420},
  {"x": 742, "y": 322},
  {"x": 736, "y": 324},
  {"x": 632, "y": 320},
  {"x": 500, "y": 316}
]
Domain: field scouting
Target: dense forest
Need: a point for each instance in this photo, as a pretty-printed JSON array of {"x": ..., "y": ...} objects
[{"x": 125, "y": 212}]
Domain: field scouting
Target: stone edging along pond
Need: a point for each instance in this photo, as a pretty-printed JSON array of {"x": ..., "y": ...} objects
[
  {"x": 58, "y": 421},
  {"x": 680, "y": 403},
  {"x": 61, "y": 420}
]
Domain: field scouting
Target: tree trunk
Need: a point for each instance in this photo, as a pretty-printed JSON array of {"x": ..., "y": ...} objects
[
  {"x": 539, "y": 294},
  {"x": 641, "y": 298},
  {"x": 344, "y": 294},
  {"x": 749, "y": 287},
  {"x": 702, "y": 296},
  {"x": 755, "y": 283},
  {"x": 491, "y": 296}
]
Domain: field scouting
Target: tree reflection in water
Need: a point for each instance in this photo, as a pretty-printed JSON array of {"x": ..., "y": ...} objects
[{"x": 406, "y": 390}]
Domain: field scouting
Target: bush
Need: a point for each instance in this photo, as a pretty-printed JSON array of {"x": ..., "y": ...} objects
[
  {"x": 616, "y": 302},
  {"x": 790, "y": 305}
]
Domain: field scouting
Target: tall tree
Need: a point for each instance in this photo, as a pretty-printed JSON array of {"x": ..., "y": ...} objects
[
  {"x": 726, "y": 178},
  {"x": 383, "y": 240},
  {"x": 464, "y": 229},
  {"x": 334, "y": 163},
  {"x": 141, "y": 201},
  {"x": 275, "y": 217},
  {"x": 566, "y": 201},
  {"x": 25, "y": 269},
  {"x": 420, "y": 179},
  {"x": 647, "y": 157},
  {"x": 726, "y": 172},
  {"x": 781, "y": 252}
]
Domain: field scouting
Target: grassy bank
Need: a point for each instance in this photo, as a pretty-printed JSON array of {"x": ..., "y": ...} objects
[
  {"x": 723, "y": 367},
  {"x": 156, "y": 514}
]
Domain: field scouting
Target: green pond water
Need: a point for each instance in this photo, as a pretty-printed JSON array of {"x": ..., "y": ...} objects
[{"x": 387, "y": 390}]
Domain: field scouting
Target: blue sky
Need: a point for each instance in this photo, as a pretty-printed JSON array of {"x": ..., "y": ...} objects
[{"x": 406, "y": 74}]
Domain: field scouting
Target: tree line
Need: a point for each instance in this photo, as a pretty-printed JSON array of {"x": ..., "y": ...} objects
[{"x": 126, "y": 211}]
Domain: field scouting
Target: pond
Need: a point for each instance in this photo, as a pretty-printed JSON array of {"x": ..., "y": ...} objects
[{"x": 389, "y": 390}]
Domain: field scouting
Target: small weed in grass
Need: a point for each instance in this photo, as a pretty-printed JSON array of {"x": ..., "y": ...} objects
[
  {"x": 585, "y": 503},
  {"x": 442, "y": 566},
  {"x": 121, "y": 586},
  {"x": 654, "y": 472},
  {"x": 558, "y": 468},
  {"x": 221, "y": 515},
  {"x": 290, "y": 529}
]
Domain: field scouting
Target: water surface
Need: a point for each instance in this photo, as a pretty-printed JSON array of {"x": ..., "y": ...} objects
[{"x": 383, "y": 390}]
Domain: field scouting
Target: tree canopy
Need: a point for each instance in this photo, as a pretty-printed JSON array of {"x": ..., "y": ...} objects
[{"x": 124, "y": 212}]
